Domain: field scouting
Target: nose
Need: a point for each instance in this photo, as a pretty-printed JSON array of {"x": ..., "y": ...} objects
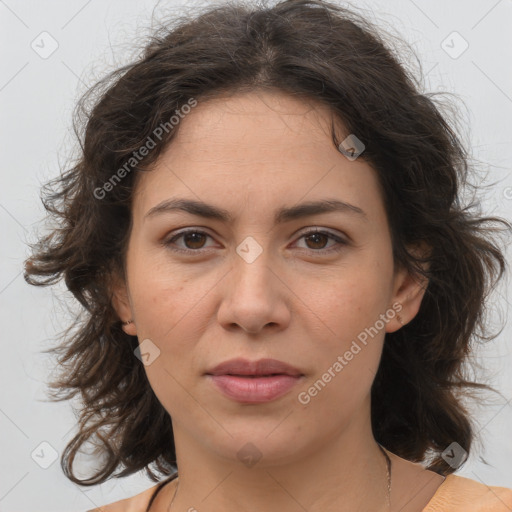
[{"x": 255, "y": 297}]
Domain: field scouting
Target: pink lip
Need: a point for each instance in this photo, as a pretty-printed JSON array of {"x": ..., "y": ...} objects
[
  {"x": 254, "y": 381},
  {"x": 254, "y": 390}
]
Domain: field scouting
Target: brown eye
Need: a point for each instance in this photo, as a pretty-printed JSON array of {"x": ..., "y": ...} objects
[
  {"x": 319, "y": 240},
  {"x": 192, "y": 241},
  {"x": 316, "y": 241}
]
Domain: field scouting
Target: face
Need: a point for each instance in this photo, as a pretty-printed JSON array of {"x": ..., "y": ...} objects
[{"x": 203, "y": 289}]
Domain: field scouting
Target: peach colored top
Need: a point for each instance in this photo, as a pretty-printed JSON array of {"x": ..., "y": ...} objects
[
  {"x": 459, "y": 494},
  {"x": 455, "y": 494}
]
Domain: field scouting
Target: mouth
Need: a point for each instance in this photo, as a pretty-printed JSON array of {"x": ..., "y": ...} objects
[{"x": 254, "y": 382}]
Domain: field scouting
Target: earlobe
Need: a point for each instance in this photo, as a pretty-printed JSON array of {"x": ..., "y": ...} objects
[
  {"x": 122, "y": 306},
  {"x": 129, "y": 328},
  {"x": 409, "y": 292}
]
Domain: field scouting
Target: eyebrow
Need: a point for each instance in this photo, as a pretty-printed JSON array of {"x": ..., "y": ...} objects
[{"x": 282, "y": 215}]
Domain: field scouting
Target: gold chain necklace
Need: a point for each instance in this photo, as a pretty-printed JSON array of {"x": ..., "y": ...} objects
[{"x": 388, "y": 468}]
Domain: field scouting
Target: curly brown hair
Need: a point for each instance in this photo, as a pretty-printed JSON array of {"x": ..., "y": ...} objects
[{"x": 306, "y": 48}]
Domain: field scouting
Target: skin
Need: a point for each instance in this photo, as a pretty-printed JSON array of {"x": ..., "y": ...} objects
[{"x": 251, "y": 154}]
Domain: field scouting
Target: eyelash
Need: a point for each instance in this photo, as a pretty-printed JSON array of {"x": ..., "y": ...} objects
[{"x": 341, "y": 243}]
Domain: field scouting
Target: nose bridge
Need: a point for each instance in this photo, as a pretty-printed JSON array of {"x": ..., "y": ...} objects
[
  {"x": 252, "y": 268},
  {"x": 253, "y": 296}
]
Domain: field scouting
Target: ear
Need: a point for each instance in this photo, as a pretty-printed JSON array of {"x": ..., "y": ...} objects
[
  {"x": 122, "y": 304},
  {"x": 408, "y": 291}
]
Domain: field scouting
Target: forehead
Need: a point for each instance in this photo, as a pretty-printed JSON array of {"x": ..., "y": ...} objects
[
  {"x": 255, "y": 150},
  {"x": 242, "y": 124}
]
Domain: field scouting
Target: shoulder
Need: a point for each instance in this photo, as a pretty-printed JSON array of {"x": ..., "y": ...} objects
[
  {"x": 460, "y": 494},
  {"x": 137, "y": 503}
]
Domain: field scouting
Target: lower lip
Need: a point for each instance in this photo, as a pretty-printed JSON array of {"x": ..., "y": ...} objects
[{"x": 254, "y": 390}]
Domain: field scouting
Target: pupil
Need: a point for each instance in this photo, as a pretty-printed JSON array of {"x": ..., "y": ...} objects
[
  {"x": 193, "y": 235},
  {"x": 315, "y": 237}
]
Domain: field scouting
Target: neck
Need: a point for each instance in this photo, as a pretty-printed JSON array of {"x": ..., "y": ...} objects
[{"x": 345, "y": 473}]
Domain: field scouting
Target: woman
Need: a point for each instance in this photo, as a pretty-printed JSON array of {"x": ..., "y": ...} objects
[{"x": 280, "y": 283}]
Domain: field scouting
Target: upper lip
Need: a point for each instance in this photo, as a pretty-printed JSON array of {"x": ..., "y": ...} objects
[{"x": 240, "y": 366}]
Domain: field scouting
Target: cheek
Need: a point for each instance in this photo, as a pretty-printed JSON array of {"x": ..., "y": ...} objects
[
  {"x": 164, "y": 297},
  {"x": 350, "y": 301},
  {"x": 350, "y": 332},
  {"x": 341, "y": 385}
]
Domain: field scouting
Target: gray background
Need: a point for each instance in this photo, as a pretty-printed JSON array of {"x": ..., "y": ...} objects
[{"x": 37, "y": 96}]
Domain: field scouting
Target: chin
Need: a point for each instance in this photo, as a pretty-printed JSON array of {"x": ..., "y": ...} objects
[{"x": 260, "y": 443}]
